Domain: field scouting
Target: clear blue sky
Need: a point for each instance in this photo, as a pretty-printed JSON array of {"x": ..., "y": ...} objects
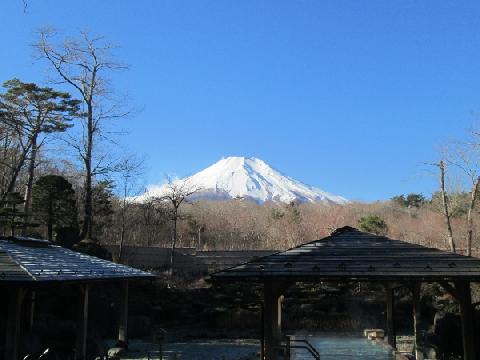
[{"x": 350, "y": 96}]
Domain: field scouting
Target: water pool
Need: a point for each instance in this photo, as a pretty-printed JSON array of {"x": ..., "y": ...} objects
[
  {"x": 330, "y": 348},
  {"x": 198, "y": 349},
  {"x": 345, "y": 348}
]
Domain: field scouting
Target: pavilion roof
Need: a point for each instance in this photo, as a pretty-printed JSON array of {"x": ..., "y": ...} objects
[
  {"x": 349, "y": 255},
  {"x": 27, "y": 260}
]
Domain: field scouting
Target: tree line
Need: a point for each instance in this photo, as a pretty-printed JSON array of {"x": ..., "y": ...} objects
[
  {"x": 56, "y": 180},
  {"x": 244, "y": 225}
]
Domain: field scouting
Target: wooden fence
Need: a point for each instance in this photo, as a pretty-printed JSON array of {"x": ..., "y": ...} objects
[
  {"x": 190, "y": 260},
  {"x": 187, "y": 260}
]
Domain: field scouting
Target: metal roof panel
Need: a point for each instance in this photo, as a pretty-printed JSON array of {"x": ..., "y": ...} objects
[{"x": 55, "y": 263}]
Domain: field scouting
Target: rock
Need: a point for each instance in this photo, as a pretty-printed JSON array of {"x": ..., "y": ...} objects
[
  {"x": 430, "y": 353},
  {"x": 373, "y": 334},
  {"x": 115, "y": 353}
]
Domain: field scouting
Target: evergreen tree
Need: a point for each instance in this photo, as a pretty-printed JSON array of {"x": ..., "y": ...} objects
[
  {"x": 102, "y": 195},
  {"x": 32, "y": 112},
  {"x": 54, "y": 204},
  {"x": 373, "y": 224},
  {"x": 415, "y": 200},
  {"x": 400, "y": 200},
  {"x": 12, "y": 215},
  {"x": 294, "y": 212},
  {"x": 412, "y": 200}
]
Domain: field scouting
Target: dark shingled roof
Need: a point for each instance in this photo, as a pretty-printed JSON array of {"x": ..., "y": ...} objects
[
  {"x": 34, "y": 260},
  {"x": 350, "y": 254}
]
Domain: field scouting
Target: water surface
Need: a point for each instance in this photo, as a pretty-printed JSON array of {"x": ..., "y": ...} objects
[
  {"x": 345, "y": 348},
  {"x": 330, "y": 348}
]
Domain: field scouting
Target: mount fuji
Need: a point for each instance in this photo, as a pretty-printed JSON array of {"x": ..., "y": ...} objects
[{"x": 247, "y": 178}]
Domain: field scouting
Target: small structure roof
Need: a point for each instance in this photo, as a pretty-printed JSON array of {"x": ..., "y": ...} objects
[
  {"x": 34, "y": 260},
  {"x": 349, "y": 254}
]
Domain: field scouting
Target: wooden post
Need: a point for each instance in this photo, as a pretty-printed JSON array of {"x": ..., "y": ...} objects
[
  {"x": 391, "y": 333},
  {"x": 268, "y": 309},
  {"x": 123, "y": 326},
  {"x": 288, "y": 350},
  {"x": 277, "y": 334},
  {"x": 31, "y": 316},
  {"x": 416, "y": 320},
  {"x": 272, "y": 321},
  {"x": 262, "y": 332},
  {"x": 81, "y": 348},
  {"x": 15, "y": 298},
  {"x": 467, "y": 315}
]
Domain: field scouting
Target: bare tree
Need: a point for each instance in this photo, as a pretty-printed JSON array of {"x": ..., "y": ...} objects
[
  {"x": 129, "y": 171},
  {"x": 84, "y": 64},
  {"x": 465, "y": 157},
  {"x": 446, "y": 210},
  {"x": 175, "y": 193}
]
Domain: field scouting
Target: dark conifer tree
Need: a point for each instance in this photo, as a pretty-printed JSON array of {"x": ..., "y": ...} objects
[
  {"x": 54, "y": 204},
  {"x": 12, "y": 214}
]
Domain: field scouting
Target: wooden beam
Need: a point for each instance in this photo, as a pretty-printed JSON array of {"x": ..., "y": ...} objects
[
  {"x": 81, "y": 348},
  {"x": 416, "y": 295},
  {"x": 123, "y": 316},
  {"x": 467, "y": 316},
  {"x": 390, "y": 299},
  {"x": 15, "y": 299}
]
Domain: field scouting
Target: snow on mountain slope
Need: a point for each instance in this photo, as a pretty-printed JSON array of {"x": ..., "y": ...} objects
[{"x": 250, "y": 178}]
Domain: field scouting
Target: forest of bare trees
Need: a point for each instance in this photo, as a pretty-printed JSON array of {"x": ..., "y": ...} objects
[{"x": 240, "y": 224}]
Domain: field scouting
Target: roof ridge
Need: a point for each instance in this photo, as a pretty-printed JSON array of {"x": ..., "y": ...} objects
[{"x": 343, "y": 229}]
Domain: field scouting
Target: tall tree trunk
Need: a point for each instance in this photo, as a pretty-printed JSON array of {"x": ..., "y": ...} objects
[
  {"x": 174, "y": 240},
  {"x": 28, "y": 190},
  {"x": 446, "y": 211},
  {"x": 124, "y": 220},
  {"x": 122, "y": 240},
  {"x": 6, "y": 144},
  {"x": 199, "y": 237},
  {"x": 50, "y": 220},
  {"x": 88, "y": 206},
  {"x": 473, "y": 197},
  {"x": 12, "y": 224}
]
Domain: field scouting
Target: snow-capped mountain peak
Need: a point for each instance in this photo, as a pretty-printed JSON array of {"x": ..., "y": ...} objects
[{"x": 250, "y": 178}]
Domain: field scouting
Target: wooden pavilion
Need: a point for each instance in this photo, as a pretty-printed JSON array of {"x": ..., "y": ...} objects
[
  {"x": 29, "y": 265},
  {"x": 351, "y": 255}
]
